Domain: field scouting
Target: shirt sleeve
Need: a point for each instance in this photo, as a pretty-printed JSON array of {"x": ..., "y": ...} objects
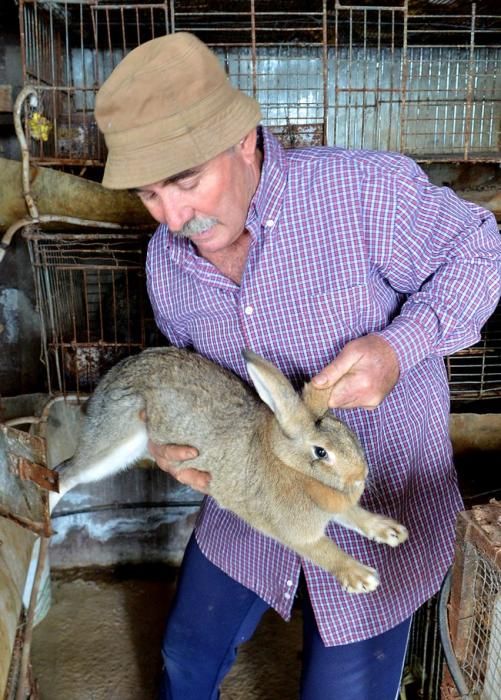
[
  {"x": 446, "y": 256},
  {"x": 159, "y": 293}
]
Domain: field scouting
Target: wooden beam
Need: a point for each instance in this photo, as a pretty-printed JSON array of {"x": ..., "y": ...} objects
[{"x": 6, "y": 104}]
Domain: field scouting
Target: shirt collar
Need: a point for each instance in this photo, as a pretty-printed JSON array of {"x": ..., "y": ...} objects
[{"x": 266, "y": 203}]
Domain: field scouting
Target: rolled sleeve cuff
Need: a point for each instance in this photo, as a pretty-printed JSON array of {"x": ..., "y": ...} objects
[{"x": 411, "y": 339}]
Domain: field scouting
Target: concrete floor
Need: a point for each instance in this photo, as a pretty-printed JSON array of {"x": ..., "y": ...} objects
[{"x": 102, "y": 635}]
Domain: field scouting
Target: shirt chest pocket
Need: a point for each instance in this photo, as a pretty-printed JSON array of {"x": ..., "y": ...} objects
[{"x": 342, "y": 314}]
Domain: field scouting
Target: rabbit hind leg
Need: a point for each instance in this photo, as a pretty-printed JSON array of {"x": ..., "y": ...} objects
[{"x": 85, "y": 468}]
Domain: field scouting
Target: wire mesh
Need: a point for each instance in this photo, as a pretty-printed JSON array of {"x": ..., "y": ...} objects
[
  {"x": 390, "y": 77},
  {"x": 92, "y": 301},
  {"x": 424, "y": 660},
  {"x": 481, "y": 663},
  {"x": 68, "y": 50},
  {"x": 474, "y": 608},
  {"x": 475, "y": 373}
]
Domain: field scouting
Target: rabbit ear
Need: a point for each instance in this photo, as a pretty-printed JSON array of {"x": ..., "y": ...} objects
[
  {"x": 316, "y": 399},
  {"x": 275, "y": 390}
]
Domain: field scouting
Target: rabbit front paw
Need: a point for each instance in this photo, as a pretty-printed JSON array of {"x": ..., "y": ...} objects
[
  {"x": 388, "y": 531},
  {"x": 359, "y": 579}
]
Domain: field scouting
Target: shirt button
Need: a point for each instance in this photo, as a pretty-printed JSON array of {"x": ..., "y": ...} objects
[
  {"x": 269, "y": 223},
  {"x": 289, "y": 583},
  {"x": 287, "y": 596},
  {"x": 249, "y": 310}
]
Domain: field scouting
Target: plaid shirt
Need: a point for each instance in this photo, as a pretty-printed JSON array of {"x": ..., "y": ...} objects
[{"x": 345, "y": 243}]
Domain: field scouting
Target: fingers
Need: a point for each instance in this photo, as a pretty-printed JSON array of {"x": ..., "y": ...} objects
[
  {"x": 354, "y": 391},
  {"x": 195, "y": 478},
  {"x": 170, "y": 459},
  {"x": 341, "y": 376},
  {"x": 362, "y": 375},
  {"x": 336, "y": 370}
]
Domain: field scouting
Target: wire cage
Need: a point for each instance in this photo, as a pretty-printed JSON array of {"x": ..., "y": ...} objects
[
  {"x": 417, "y": 76},
  {"x": 422, "y": 674},
  {"x": 91, "y": 295},
  {"x": 475, "y": 373},
  {"x": 475, "y": 604}
]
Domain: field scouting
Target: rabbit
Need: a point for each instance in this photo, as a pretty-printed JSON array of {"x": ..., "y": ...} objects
[{"x": 284, "y": 463}]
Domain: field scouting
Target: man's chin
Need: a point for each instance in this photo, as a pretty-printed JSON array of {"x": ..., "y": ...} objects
[{"x": 202, "y": 236}]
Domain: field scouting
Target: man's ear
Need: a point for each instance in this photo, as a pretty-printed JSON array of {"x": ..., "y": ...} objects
[{"x": 248, "y": 144}]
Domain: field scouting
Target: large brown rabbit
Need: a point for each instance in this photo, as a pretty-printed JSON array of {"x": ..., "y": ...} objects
[{"x": 284, "y": 464}]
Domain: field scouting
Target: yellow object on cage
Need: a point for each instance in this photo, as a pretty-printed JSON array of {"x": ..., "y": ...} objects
[{"x": 39, "y": 126}]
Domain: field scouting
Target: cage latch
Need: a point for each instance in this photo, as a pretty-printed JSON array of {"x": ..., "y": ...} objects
[{"x": 31, "y": 471}]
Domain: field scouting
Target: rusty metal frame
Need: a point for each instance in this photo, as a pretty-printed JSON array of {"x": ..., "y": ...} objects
[{"x": 25, "y": 470}]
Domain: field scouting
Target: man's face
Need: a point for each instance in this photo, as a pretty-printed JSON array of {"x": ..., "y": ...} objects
[{"x": 208, "y": 204}]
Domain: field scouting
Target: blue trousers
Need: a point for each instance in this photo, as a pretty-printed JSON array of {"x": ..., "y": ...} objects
[{"x": 212, "y": 614}]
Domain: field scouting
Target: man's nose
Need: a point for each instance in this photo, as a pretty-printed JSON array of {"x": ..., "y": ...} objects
[{"x": 175, "y": 211}]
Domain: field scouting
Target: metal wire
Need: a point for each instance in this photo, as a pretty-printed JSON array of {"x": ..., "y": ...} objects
[
  {"x": 482, "y": 656},
  {"x": 475, "y": 373}
]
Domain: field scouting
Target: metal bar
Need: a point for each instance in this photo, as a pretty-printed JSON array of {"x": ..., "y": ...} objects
[
  {"x": 365, "y": 61},
  {"x": 38, "y": 528},
  {"x": 469, "y": 90},
  {"x": 253, "y": 50},
  {"x": 23, "y": 38},
  {"x": 97, "y": 344},
  {"x": 404, "y": 77},
  {"x": 23, "y": 689},
  {"x": 38, "y": 474}
]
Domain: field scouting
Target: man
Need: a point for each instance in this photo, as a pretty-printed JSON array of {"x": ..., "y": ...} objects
[{"x": 348, "y": 266}]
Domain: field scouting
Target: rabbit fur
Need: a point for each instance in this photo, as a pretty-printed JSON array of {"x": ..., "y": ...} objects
[{"x": 284, "y": 463}]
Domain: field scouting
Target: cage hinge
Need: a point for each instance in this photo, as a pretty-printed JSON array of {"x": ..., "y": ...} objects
[{"x": 40, "y": 475}]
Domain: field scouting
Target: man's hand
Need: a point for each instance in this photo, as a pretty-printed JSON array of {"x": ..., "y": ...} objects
[
  {"x": 362, "y": 375},
  {"x": 169, "y": 457}
]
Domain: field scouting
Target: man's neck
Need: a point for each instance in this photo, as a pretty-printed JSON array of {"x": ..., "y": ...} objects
[{"x": 231, "y": 261}]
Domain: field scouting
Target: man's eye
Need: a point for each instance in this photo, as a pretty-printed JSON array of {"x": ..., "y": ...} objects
[
  {"x": 187, "y": 184},
  {"x": 319, "y": 452},
  {"x": 147, "y": 196}
]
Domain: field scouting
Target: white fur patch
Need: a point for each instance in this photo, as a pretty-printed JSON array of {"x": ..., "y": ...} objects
[{"x": 118, "y": 457}]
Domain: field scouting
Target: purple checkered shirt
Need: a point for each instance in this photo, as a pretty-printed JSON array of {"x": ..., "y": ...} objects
[{"x": 345, "y": 243}]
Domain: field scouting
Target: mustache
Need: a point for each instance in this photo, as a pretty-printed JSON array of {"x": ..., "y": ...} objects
[{"x": 196, "y": 225}]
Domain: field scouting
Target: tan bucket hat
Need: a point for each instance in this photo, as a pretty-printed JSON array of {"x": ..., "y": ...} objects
[{"x": 167, "y": 107}]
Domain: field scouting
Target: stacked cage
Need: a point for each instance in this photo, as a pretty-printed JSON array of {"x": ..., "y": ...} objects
[{"x": 396, "y": 77}]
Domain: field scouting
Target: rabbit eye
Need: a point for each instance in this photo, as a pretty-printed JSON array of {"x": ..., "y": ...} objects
[{"x": 319, "y": 452}]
